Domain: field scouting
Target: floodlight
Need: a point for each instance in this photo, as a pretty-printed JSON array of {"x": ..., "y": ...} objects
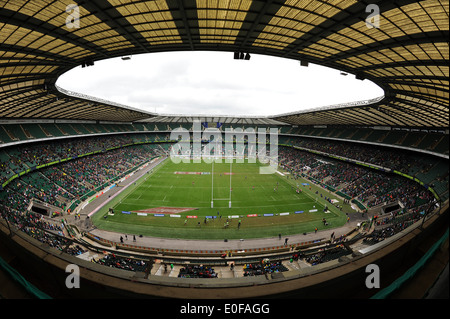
[{"x": 360, "y": 76}]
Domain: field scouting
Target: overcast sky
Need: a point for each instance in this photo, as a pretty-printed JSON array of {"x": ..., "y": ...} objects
[{"x": 213, "y": 83}]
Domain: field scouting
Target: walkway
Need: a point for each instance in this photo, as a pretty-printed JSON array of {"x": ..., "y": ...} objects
[{"x": 235, "y": 244}]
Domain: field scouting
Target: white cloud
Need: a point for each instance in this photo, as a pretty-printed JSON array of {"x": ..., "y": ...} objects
[{"x": 216, "y": 84}]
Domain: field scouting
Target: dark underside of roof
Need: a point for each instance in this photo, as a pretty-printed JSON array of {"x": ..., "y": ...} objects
[{"x": 404, "y": 50}]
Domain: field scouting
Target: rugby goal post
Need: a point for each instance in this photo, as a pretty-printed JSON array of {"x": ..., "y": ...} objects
[{"x": 212, "y": 186}]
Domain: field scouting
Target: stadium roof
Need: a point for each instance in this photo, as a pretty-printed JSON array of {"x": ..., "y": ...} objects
[{"x": 407, "y": 54}]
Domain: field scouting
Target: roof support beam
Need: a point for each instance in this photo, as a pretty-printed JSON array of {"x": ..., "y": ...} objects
[
  {"x": 105, "y": 12},
  {"x": 33, "y": 24}
]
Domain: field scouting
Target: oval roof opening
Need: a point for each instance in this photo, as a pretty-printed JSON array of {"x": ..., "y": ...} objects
[{"x": 215, "y": 83}]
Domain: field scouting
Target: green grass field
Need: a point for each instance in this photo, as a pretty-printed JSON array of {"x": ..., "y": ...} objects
[{"x": 252, "y": 194}]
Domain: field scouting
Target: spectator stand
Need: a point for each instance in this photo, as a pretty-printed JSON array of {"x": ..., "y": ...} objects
[
  {"x": 323, "y": 254},
  {"x": 49, "y": 233},
  {"x": 114, "y": 260},
  {"x": 265, "y": 267},
  {"x": 53, "y": 238},
  {"x": 197, "y": 271}
]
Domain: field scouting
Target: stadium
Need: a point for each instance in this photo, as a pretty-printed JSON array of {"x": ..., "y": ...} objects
[{"x": 146, "y": 205}]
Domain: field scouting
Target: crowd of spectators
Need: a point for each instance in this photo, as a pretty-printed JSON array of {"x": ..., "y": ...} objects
[
  {"x": 16, "y": 159},
  {"x": 21, "y": 191},
  {"x": 324, "y": 255},
  {"x": 401, "y": 215},
  {"x": 63, "y": 183},
  {"x": 338, "y": 173},
  {"x": 46, "y": 190},
  {"x": 35, "y": 225},
  {"x": 370, "y": 187},
  {"x": 295, "y": 161},
  {"x": 381, "y": 234},
  {"x": 25, "y": 219},
  {"x": 398, "y": 217},
  {"x": 396, "y": 188},
  {"x": 264, "y": 267},
  {"x": 403, "y": 161},
  {"x": 60, "y": 184},
  {"x": 361, "y": 185},
  {"x": 197, "y": 271},
  {"x": 124, "y": 263},
  {"x": 388, "y": 225}
]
